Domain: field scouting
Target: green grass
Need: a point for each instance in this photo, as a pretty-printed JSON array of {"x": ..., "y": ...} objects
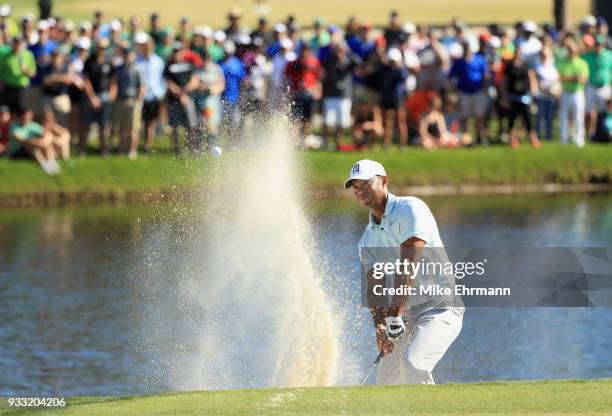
[
  {"x": 214, "y": 12},
  {"x": 552, "y": 163},
  {"x": 161, "y": 172},
  {"x": 515, "y": 398}
]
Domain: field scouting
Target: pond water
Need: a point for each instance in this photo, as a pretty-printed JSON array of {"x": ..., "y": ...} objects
[{"x": 90, "y": 306}]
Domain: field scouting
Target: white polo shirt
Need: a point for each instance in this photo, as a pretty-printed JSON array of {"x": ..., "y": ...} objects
[{"x": 404, "y": 217}]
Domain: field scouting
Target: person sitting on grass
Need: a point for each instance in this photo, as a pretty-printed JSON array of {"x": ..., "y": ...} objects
[
  {"x": 59, "y": 134},
  {"x": 367, "y": 125},
  {"x": 28, "y": 138},
  {"x": 432, "y": 127}
]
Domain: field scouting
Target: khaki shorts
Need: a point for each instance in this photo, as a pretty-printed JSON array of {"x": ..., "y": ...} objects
[
  {"x": 127, "y": 113},
  {"x": 60, "y": 105}
]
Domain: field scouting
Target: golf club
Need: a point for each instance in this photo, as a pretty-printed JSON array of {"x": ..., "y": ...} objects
[{"x": 380, "y": 355}]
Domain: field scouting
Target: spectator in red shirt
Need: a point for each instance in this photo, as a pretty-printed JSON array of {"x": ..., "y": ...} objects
[{"x": 303, "y": 76}]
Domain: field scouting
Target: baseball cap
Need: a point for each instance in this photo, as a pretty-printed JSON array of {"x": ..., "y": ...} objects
[
  {"x": 588, "y": 21},
  {"x": 85, "y": 25},
  {"x": 5, "y": 10},
  {"x": 280, "y": 28},
  {"x": 530, "y": 26},
  {"x": 364, "y": 169},
  {"x": 43, "y": 25},
  {"x": 220, "y": 36},
  {"x": 115, "y": 25},
  {"x": 140, "y": 38},
  {"x": 409, "y": 28}
]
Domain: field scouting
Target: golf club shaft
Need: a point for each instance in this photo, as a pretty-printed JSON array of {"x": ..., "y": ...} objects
[{"x": 380, "y": 355}]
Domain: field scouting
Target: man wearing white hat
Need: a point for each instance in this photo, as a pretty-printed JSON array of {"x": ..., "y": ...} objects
[
  {"x": 5, "y": 18},
  {"x": 414, "y": 332}
]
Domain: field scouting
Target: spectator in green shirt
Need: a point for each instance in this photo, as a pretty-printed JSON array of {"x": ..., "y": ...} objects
[
  {"x": 17, "y": 67},
  {"x": 599, "y": 59},
  {"x": 574, "y": 73},
  {"x": 28, "y": 138}
]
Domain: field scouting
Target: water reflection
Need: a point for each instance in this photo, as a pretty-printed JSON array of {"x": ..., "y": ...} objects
[{"x": 77, "y": 298}]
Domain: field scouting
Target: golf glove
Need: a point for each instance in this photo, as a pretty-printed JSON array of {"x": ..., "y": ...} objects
[{"x": 395, "y": 327}]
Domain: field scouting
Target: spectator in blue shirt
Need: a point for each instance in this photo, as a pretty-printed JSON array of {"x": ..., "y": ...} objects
[
  {"x": 234, "y": 72},
  {"x": 469, "y": 75},
  {"x": 42, "y": 51}
]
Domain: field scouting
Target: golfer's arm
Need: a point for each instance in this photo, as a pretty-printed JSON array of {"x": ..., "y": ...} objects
[
  {"x": 377, "y": 304},
  {"x": 410, "y": 250}
]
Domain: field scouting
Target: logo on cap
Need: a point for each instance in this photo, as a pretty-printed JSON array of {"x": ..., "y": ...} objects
[{"x": 355, "y": 169}]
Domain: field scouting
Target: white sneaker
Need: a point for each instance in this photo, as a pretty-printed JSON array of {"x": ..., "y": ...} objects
[
  {"x": 132, "y": 155},
  {"x": 55, "y": 166},
  {"x": 46, "y": 166},
  {"x": 215, "y": 151}
]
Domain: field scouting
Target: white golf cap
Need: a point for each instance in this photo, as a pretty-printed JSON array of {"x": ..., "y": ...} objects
[
  {"x": 495, "y": 42},
  {"x": 85, "y": 25},
  {"x": 140, "y": 38},
  {"x": 530, "y": 26},
  {"x": 220, "y": 36},
  {"x": 589, "y": 21},
  {"x": 5, "y": 10},
  {"x": 280, "y": 28},
  {"x": 43, "y": 25},
  {"x": 365, "y": 169},
  {"x": 204, "y": 31},
  {"x": 115, "y": 25},
  {"x": 69, "y": 26},
  {"x": 409, "y": 28}
]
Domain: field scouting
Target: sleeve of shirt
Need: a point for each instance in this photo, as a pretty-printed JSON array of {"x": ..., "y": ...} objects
[
  {"x": 366, "y": 258},
  {"x": 30, "y": 61},
  {"x": 415, "y": 220}
]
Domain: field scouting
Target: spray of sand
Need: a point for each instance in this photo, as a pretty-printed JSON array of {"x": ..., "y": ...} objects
[{"x": 250, "y": 297}]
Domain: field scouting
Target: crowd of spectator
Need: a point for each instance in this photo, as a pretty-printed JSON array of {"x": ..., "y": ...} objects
[{"x": 432, "y": 87}]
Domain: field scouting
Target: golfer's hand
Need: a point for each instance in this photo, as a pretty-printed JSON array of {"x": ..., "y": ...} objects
[
  {"x": 395, "y": 327},
  {"x": 382, "y": 342}
]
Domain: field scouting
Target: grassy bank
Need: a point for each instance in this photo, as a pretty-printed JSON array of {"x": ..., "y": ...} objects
[
  {"x": 161, "y": 173},
  {"x": 519, "y": 398}
]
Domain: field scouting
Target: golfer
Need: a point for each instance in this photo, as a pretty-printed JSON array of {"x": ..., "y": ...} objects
[{"x": 412, "y": 332}]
